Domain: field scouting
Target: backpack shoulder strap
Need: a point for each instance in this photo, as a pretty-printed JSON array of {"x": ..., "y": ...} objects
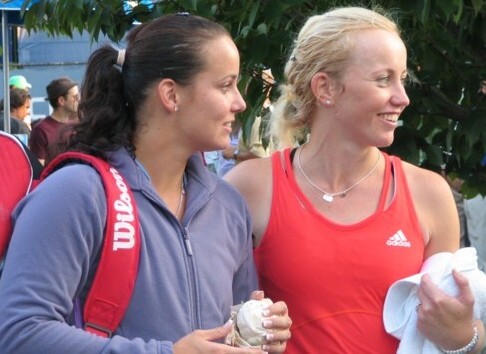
[
  {"x": 116, "y": 274},
  {"x": 15, "y": 182}
]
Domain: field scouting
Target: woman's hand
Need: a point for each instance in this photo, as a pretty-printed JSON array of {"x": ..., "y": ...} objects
[
  {"x": 278, "y": 323},
  {"x": 446, "y": 320},
  {"x": 206, "y": 342}
]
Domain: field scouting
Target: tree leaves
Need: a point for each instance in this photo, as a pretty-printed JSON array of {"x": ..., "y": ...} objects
[{"x": 446, "y": 40}]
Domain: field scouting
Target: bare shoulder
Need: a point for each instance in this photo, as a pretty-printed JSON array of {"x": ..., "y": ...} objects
[
  {"x": 250, "y": 176},
  {"x": 426, "y": 183},
  {"x": 435, "y": 208},
  {"x": 253, "y": 178}
]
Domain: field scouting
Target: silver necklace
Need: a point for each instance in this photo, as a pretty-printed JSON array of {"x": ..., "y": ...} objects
[{"x": 329, "y": 197}]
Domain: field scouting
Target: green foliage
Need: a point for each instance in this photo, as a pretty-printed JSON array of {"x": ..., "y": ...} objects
[{"x": 444, "y": 126}]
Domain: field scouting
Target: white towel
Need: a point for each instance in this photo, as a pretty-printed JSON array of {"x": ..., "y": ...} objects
[{"x": 399, "y": 314}]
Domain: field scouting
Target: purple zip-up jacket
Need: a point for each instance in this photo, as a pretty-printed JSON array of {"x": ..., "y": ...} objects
[{"x": 190, "y": 273}]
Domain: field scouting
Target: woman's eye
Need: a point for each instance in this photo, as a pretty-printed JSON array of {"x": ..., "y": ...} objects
[{"x": 384, "y": 80}]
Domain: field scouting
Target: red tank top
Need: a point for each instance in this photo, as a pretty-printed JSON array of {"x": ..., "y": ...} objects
[{"x": 334, "y": 278}]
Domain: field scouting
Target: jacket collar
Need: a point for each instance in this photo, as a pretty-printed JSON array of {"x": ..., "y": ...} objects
[{"x": 200, "y": 181}]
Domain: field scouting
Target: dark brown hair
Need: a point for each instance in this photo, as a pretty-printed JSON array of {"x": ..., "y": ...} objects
[
  {"x": 170, "y": 46},
  {"x": 18, "y": 97}
]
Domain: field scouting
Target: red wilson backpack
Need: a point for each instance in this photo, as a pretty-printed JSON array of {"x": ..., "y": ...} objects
[
  {"x": 16, "y": 179},
  {"x": 116, "y": 274}
]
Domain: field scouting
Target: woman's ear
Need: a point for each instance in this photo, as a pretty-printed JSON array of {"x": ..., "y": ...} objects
[
  {"x": 322, "y": 88},
  {"x": 166, "y": 90}
]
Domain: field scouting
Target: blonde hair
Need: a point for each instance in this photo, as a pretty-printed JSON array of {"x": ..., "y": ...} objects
[{"x": 324, "y": 43}]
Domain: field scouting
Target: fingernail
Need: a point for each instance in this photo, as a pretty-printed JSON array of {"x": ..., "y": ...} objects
[
  {"x": 267, "y": 323},
  {"x": 269, "y": 337},
  {"x": 229, "y": 323},
  {"x": 266, "y": 312}
]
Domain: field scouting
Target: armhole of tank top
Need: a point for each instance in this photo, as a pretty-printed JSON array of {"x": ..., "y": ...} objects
[
  {"x": 397, "y": 165},
  {"x": 391, "y": 166},
  {"x": 283, "y": 160},
  {"x": 393, "y": 176},
  {"x": 281, "y": 156},
  {"x": 291, "y": 160},
  {"x": 277, "y": 160}
]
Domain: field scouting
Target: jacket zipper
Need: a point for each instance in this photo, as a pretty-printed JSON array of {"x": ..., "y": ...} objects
[
  {"x": 192, "y": 281},
  {"x": 187, "y": 242}
]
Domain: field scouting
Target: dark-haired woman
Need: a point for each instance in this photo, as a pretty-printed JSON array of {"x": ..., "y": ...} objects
[{"x": 149, "y": 111}]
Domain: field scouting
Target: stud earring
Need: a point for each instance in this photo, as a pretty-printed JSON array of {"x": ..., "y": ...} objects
[
  {"x": 176, "y": 108},
  {"x": 328, "y": 102}
]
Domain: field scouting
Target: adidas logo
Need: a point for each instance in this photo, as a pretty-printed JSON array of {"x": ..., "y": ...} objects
[{"x": 398, "y": 240}]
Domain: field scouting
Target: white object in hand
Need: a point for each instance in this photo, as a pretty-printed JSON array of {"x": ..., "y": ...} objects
[{"x": 250, "y": 321}]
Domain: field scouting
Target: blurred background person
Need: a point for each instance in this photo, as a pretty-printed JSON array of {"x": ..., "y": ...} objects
[
  {"x": 20, "y": 102},
  {"x": 63, "y": 96},
  {"x": 19, "y": 81}
]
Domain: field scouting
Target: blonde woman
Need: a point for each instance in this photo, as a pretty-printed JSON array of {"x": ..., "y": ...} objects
[{"x": 336, "y": 221}]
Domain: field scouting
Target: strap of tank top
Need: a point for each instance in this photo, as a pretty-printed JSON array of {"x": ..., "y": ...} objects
[
  {"x": 386, "y": 182},
  {"x": 283, "y": 157}
]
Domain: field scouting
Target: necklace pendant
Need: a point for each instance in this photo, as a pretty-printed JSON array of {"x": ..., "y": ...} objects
[{"x": 327, "y": 197}]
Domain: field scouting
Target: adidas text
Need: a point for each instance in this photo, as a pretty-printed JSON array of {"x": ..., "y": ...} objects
[{"x": 398, "y": 240}]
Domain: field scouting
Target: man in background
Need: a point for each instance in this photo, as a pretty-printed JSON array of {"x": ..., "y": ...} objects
[
  {"x": 20, "y": 102},
  {"x": 63, "y": 96},
  {"x": 20, "y": 82}
]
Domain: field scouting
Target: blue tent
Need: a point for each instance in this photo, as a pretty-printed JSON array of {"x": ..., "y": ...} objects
[
  {"x": 11, "y": 5},
  {"x": 10, "y": 16},
  {"x": 10, "y": 10}
]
